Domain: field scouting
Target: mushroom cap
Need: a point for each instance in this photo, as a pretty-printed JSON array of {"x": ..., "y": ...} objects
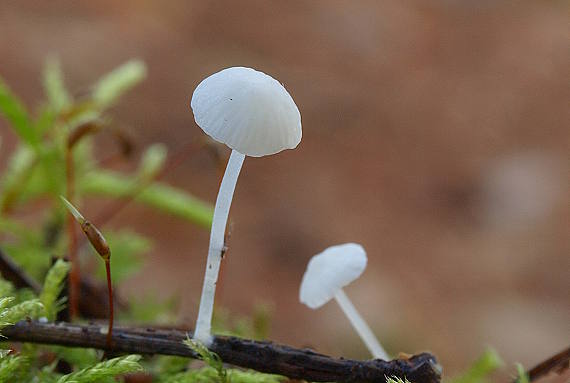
[
  {"x": 330, "y": 271},
  {"x": 248, "y": 111}
]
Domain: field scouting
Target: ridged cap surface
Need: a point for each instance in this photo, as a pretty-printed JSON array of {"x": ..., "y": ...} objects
[
  {"x": 329, "y": 271},
  {"x": 248, "y": 111}
]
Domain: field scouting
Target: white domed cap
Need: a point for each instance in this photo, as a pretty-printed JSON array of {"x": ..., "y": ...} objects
[
  {"x": 247, "y": 110},
  {"x": 330, "y": 271}
]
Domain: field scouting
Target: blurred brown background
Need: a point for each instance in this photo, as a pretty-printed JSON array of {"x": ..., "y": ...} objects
[{"x": 435, "y": 133}]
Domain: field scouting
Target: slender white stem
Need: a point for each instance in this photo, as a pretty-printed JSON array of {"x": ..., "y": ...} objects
[
  {"x": 360, "y": 326},
  {"x": 221, "y": 211}
]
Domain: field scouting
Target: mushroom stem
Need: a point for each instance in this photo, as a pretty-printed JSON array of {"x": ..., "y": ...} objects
[
  {"x": 221, "y": 211},
  {"x": 360, "y": 326}
]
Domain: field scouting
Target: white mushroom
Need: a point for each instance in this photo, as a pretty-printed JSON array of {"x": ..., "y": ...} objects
[
  {"x": 327, "y": 273},
  {"x": 254, "y": 115}
]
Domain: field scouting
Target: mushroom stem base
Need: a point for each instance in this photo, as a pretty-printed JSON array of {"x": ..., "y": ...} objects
[
  {"x": 202, "y": 331},
  {"x": 360, "y": 326}
]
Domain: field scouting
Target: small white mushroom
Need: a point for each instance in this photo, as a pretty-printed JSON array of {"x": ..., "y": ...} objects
[
  {"x": 327, "y": 273},
  {"x": 254, "y": 115}
]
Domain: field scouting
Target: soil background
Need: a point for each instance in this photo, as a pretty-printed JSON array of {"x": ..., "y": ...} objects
[{"x": 435, "y": 133}]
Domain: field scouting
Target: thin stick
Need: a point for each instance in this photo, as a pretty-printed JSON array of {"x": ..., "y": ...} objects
[
  {"x": 13, "y": 273},
  {"x": 261, "y": 356},
  {"x": 100, "y": 245},
  {"x": 89, "y": 308},
  {"x": 75, "y": 273},
  {"x": 111, "y": 311},
  {"x": 555, "y": 363},
  {"x": 73, "y": 138}
]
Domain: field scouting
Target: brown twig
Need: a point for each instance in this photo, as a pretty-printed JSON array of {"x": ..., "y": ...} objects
[
  {"x": 111, "y": 311},
  {"x": 74, "y": 137},
  {"x": 555, "y": 363},
  {"x": 261, "y": 356},
  {"x": 75, "y": 273},
  {"x": 13, "y": 273},
  {"x": 100, "y": 245},
  {"x": 94, "y": 302}
]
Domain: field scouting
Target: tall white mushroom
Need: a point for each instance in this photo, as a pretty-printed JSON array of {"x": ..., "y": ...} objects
[
  {"x": 254, "y": 115},
  {"x": 327, "y": 273}
]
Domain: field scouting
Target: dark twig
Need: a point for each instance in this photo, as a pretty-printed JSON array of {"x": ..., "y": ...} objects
[
  {"x": 111, "y": 311},
  {"x": 13, "y": 273},
  {"x": 261, "y": 356},
  {"x": 94, "y": 302},
  {"x": 555, "y": 363}
]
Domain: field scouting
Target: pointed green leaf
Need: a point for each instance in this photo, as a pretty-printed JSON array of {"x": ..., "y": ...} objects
[
  {"x": 54, "y": 87},
  {"x": 13, "y": 110},
  {"x": 9, "y": 367},
  {"x": 16, "y": 175},
  {"x": 522, "y": 376},
  {"x": 45, "y": 120},
  {"x": 158, "y": 195},
  {"x": 103, "y": 370},
  {"x": 152, "y": 162},
  {"x": 32, "y": 308},
  {"x": 481, "y": 368},
  {"x": 109, "y": 88},
  {"x": 53, "y": 285}
]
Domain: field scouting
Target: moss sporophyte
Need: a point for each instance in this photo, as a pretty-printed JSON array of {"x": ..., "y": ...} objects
[{"x": 102, "y": 248}]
